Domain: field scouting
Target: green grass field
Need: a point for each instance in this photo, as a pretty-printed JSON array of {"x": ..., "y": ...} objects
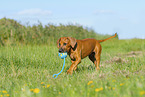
[{"x": 26, "y": 71}]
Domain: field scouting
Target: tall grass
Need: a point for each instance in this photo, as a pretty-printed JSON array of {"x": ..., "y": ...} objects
[
  {"x": 13, "y": 33},
  {"x": 27, "y": 69}
]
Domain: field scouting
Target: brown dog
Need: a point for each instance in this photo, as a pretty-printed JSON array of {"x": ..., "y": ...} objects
[{"x": 79, "y": 49}]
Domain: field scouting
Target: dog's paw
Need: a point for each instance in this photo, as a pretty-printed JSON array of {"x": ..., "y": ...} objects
[
  {"x": 98, "y": 69},
  {"x": 69, "y": 72}
]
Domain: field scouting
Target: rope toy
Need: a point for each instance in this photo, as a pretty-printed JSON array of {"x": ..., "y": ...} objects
[{"x": 62, "y": 56}]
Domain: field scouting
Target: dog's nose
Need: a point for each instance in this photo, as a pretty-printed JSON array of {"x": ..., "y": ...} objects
[{"x": 60, "y": 50}]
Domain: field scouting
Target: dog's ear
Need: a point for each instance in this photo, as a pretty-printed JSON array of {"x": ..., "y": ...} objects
[
  {"x": 73, "y": 41},
  {"x": 58, "y": 42}
]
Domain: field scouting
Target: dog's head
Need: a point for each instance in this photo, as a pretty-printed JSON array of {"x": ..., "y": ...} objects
[{"x": 65, "y": 43}]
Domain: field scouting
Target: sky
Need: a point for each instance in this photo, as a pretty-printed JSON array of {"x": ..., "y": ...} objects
[{"x": 126, "y": 17}]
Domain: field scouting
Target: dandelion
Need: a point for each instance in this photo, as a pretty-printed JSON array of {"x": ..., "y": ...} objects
[
  {"x": 92, "y": 86},
  {"x": 42, "y": 83},
  {"x": 90, "y": 82},
  {"x": 59, "y": 92},
  {"x": 36, "y": 90},
  {"x": 142, "y": 92},
  {"x": 7, "y": 95},
  {"x": 1, "y": 95},
  {"x": 25, "y": 84},
  {"x": 23, "y": 90},
  {"x": 4, "y": 92},
  {"x": 109, "y": 88},
  {"x": 31, "y": 90},
  {"x": 48, "y": 85},
  {"x": 121, "y": 84},
  {"x": 99, "y": 89}
]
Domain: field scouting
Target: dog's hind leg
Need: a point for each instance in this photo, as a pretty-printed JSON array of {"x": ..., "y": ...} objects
[{"x": 95, "y": 58}]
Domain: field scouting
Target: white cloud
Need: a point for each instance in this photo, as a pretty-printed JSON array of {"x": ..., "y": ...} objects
[
  {"x": 35, "y": 12},
  {"x": 103, "y": 12}
]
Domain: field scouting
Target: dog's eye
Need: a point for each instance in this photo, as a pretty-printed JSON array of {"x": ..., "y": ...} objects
[
  {"x": 59, "y": 44},
  {"x": 64, "y": 44}
]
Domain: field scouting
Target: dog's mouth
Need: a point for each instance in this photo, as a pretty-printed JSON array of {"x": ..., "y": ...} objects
[{"x": 62, "y": 50}]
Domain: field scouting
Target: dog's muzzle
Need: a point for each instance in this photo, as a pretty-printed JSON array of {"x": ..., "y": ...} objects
[{"x": 60, "y": 50}]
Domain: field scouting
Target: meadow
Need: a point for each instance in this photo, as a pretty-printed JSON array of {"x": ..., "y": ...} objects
[{"x": 26, "y": 71}]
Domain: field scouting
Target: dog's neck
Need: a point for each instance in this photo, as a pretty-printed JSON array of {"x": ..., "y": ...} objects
[{"x": 72, "y": 49}]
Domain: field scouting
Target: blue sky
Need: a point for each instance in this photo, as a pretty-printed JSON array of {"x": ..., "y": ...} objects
[{"x": 127, "y": 17}]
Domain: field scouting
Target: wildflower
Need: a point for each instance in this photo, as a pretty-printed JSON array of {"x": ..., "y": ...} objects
[
  {"x": 31, "y": 90},
  {"x": 142, "y": 92},
  {"x": 48, "y": 85},
  {"x": 92, "y": 86},
  {"x": 113, "y": 80},
  {"x": 4, "y": 92},
  {"x": 121, "y": 84},
  {"x": 109, "y": 88},
  {"x": 42, "y": 83},
  {"x": 59, "y": 92},
  {"x": 36, "y": 90},
  {"x": 1, "y": 95},
  {"x": 23, "y": 90},
  {"x": 25, "y": 84},
  {"x": 99, "y": 89},
  {"x": 7, "y": 95},
  {"x": 90, "y": 82},
  {"x": 43, "y": 86}
]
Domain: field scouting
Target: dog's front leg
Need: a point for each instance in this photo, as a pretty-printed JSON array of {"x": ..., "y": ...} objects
[{"x": 73, "y": 65}]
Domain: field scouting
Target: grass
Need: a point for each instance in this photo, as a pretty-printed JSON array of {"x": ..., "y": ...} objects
[{"x": 26, "y": 71}]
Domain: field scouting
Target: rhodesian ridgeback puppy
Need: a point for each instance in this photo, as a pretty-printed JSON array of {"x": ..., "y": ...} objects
[{"x": 79, "y": 49}]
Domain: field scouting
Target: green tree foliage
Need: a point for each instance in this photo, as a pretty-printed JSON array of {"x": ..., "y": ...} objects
[{"x": 12, "y": 32}]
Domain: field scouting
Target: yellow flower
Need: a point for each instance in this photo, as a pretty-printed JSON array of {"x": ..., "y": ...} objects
[
  {"x": 4, "y": 92},
  {"x": 7, "y": 95},
  {"x": 43, "y": 86},
  {"x": 121, "y": 84},
  {"x": 42, "y": 82},
  {"x": 59, "y": 92},
  {"x": 90, "y": 82},
  {"x": 142, "y": 92},
  {"x": 113, "y": 80},
  {"x": 31, "y": 90},
  {"x": 109, "y": 87},
  {"x": 25, "y": 84},
  {"x": 36, "y": 90},
  {"x": 1, "y": 95},
  {"x": 48, "y": 85},
  {"x": 23, "y": 90},
  {"x": 92, "y": 86},
  {"x": 99, "y": 89}
]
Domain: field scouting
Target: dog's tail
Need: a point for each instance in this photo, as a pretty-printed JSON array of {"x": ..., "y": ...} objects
[{"x": 108, "y": 38}]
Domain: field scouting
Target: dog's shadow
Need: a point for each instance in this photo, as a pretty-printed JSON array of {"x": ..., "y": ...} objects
[{"x": 82, "y": 68}]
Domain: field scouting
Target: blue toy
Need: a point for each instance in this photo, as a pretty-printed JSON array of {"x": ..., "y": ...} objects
[{"x": 62, "y": 56}]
